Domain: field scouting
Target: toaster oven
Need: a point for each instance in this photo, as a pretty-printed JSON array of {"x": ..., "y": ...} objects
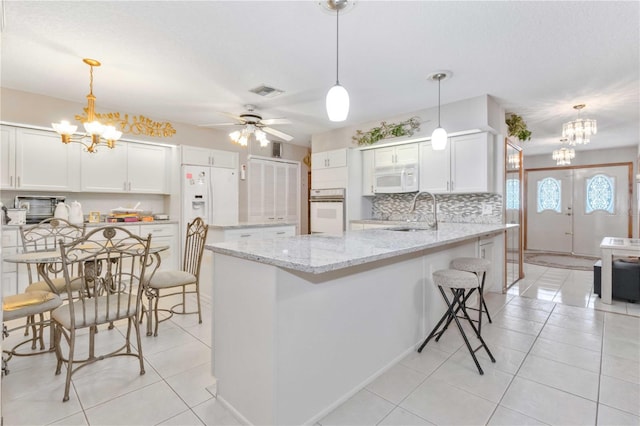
[{"x": 38, "y": 207}]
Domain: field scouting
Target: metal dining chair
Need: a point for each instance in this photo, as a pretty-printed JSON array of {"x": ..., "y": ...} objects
[
  {"x": 113, "y": 262},
  {"x": 27, "y": 305},
  {"x": 45, "y": 236},
  {"x": 186, "y": 280}
]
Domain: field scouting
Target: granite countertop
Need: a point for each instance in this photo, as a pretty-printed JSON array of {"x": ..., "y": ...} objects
[
  {"x": 318, "y": 253},
  {"x": 243, "y": 225}
]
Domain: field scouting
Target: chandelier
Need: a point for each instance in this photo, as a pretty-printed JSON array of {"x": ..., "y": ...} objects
[
  {"x": 241, "y": 137},
  {"x": 96, "y": 132},
  {"x": 579, "y": 131},
  {"x": 563, "y": 156}
]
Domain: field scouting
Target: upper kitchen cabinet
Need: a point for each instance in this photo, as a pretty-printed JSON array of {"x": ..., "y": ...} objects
[
  {"x": 329, "y": 159},
  {"x": 36, "y": 160},
  {"x": 329, "y": 169},
  {"x": 209, "y": 157},
  {"x": 396, "y": 155},
  {"x": 367, "y": 172},
  {"x": 129, "y": 167},
  {"x": 462, "y": 167}
]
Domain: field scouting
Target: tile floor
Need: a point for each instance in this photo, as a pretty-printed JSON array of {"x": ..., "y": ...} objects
[{"x": 563, "y": 358}]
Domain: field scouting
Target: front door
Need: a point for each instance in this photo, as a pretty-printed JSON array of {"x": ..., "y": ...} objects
[
  {"x": 549, "y": 210},
  {"x": 570, "y": 210}
]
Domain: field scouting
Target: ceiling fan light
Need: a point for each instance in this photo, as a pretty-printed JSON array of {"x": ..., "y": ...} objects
[
  {"x": 439, "y": 139},
  {"x": 235, "y": 136},
  {"x": 243, "y": 140},
  {"x": 337, "y": 103}
]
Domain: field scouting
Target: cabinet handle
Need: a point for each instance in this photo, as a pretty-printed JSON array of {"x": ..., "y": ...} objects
[
  {"x": 18, "y": 182},
  {"x": 245, "y": 235},
  {"x": 447, "y": 185},
  {"x": 213, "y": 161},
  {"x": 271, "y": 218},
  {"x": 129, "y": 186},
  {"x": 11, "y": 181},
  {"x": 280, "y": 233},
  {"x": 452, "y": 185}
]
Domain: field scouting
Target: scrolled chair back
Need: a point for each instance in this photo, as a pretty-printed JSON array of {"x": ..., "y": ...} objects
[
  {"x": 46, "y": 236},
  {"x": 110, "y": 263}
]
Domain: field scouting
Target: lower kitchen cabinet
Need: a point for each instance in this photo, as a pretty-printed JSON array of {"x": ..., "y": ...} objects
[
  {"x": 220, "y": 234},
  {"x": 15, "y": 278}
]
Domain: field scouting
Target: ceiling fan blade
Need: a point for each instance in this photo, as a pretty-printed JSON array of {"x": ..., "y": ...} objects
[
  {"x": 220, "y": 124},
  {"x": 272, "y": 121},
  {"x": 233, "y": 116},
  {"x": 277, "y": 133}
]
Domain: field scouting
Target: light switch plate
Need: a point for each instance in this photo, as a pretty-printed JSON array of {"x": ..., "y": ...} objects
[{"x": 486, "y": 209}]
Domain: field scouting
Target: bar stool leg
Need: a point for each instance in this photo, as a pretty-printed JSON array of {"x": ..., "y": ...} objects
[
  {"x": 464, "y": 301},
  {"x": 483, "y": 304},
  {"x": 447, "y": 316}
]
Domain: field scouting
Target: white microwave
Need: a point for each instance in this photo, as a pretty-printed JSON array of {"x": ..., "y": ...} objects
[{"x": 391, "y": 180}]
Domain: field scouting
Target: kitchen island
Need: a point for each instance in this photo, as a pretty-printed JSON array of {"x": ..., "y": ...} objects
[{"x": 302, "y": 323}]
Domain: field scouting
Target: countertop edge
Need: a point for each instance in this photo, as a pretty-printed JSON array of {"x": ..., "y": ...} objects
[{"x": 329, "y": 267}]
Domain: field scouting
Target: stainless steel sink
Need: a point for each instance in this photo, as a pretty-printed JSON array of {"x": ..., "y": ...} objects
[{"x": 409, "y": 229}]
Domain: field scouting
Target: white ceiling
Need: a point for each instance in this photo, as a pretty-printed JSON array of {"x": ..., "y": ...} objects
[{"x": 185, "y": 61}]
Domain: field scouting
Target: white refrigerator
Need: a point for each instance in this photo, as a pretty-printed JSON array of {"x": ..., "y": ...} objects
[{"x": 210, "y": 193}]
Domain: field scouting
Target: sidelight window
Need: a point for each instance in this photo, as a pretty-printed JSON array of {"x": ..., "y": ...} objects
[
  {"x": 600, "y": 194},
  {"x": 549, "y": 195}
]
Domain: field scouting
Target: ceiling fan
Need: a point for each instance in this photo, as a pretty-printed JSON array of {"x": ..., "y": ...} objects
[{"x": 252, "y": 120}]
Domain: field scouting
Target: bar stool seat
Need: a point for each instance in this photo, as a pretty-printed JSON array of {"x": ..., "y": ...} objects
[
  {"x": 479, "y": 267},
  {"x": 461, "y": 284}
]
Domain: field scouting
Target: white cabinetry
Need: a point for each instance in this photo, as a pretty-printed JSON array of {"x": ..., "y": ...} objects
[
  {"x": 396, "y": 155},
  {"x": 250, "y": 233},
  {"x": 209, "y": 157},
  {"x": 329, "y": 159},
  {"x": 129, "y": 167},
  {"x": 274, "y": 191},
  {"x": 164, "y": 234},
  {"x": 9, "y": 276},
  {"x": 329, "y": 169},
  {"x": 367, "y": 172},
  {"x": 463, "y": 167},
  {"x": 37, "y": 160}
]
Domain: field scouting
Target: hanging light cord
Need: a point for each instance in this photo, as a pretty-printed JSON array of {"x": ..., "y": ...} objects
[
  {"x": 91, "y": 79},
  {"x": 439, "y": 79},
  {"x": 337, "y": 42}
]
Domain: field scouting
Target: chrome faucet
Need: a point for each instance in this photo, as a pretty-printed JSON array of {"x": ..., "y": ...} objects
[{"x": 435, "y": 207}]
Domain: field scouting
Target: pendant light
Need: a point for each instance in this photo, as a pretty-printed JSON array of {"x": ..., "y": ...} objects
[
  {"x": 439, "y": 135},
  {"x": 337, "y": 100}
]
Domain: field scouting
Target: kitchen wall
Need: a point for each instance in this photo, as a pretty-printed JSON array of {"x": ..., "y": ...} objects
[
  {"x": 456, "y": 208},
  {"x": 481, "y": 112},
  {"x": 35, "y": 110}
]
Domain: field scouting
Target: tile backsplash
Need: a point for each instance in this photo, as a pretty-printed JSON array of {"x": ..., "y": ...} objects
[{"x": 458, "y": 208}]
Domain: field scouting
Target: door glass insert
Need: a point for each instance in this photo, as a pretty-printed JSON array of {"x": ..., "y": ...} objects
[
  {"x": 513, "y": 194},
  {"x": 549, "y": 195},
  {"x": 600, "y": 190}
]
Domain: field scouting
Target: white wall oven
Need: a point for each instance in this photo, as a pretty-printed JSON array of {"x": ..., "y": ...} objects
[{"x": 327, "y": 211}]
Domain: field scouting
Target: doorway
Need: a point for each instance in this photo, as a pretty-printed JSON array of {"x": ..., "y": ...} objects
[{"x": 570, "y": 209}]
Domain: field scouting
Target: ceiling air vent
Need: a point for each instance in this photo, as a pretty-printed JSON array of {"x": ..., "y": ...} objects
[{"x": 266, "y": 91}]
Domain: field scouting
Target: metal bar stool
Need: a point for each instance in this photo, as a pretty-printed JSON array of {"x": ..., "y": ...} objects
[
  {"x": 479, "y": 267},
  {"x": 460, "y": 283}
]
